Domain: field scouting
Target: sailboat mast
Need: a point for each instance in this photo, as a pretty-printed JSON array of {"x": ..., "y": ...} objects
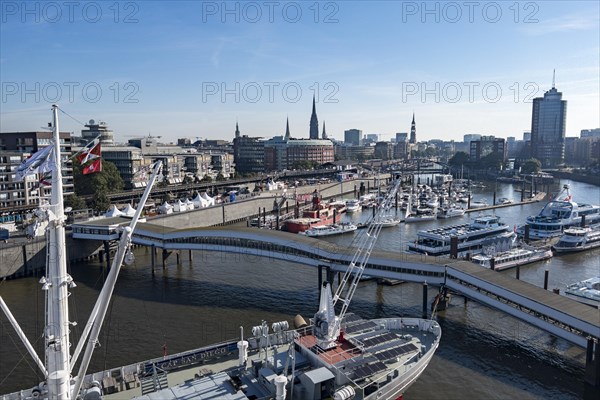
[{"x": 57, "y": 281}]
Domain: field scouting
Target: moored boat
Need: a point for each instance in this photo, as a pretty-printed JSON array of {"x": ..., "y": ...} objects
[
  {"x": 353, "y": 206},
  {"x": 468, "y": 237},
  {"x": 329, "y": 230},
  {"x": 558, "y": 215},
  {"x": 578, "y": 239},
  {"x": 450, "y": 212},
  {"x": 511, "y": 258},
  {"x": 586, "y": 291}
]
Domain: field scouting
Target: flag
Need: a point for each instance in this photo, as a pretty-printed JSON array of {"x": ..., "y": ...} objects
[
  {"x": 88, "y": 154},
  {"x": 90, "y": 158},
  {"x": 46, "y": 179},
  {"x": 41, "y": 161},
  {"x": 94, "y": 166}
]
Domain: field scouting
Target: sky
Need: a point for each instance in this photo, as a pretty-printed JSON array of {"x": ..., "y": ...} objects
[{"x": 191, "y": 69}]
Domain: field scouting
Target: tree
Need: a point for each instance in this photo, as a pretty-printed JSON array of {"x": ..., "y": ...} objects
[
  {"x": 187, "y": 180},
  {"x": 206, "y": 179},
  {"x": 107, "y": 181},
  {"x": 220, "y": 177},
  {"x": 75, "y": 202},
  {"x": 101, "y": 202},
  {"x": 531, "y": 166},
  {"x": 492, "y": 160},
  {"x": 458, "y": 159}
]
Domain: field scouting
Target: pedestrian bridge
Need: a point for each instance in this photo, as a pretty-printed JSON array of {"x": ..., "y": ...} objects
[{"x": 558, "y": 315}]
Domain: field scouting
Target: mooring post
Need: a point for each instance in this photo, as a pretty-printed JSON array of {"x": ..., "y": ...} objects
[
  {"x": 492, "y": 263},
  {"x": 592, "y": 360},
  {"x": 107, "y": 251},
  {"x": 330, "y": 275},
  {"x": 320, "y": 277},
  {"x": 546, "y": 272},
  {"x": 164, "y": 258},
  {"x": 153, "y": 257},
  {"x": 424, "y": 299},
  {"x": 518, "y": 272},
  {"x": 178, "y": 255},
  {"x": 396, "y": 201},
  {"x": 190, "y": 257},
  {"x": 494, "y": 203}
]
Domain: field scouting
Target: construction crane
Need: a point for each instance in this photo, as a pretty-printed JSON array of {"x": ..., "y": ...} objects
[{"x": 327, "y": 325}]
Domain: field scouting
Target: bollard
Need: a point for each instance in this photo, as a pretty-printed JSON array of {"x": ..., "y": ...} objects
[{"x": 425, "y": 300}]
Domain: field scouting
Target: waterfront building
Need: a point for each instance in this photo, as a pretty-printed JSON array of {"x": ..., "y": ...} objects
[
  {"x": 590, "y": 133},
  {"x": 97, "y": 129},
  {"x": 548, "y": 120},
  {"x": 351, "y": 152},
  {"x": 16, "y": 147},
  {"x": 129, "y": 160}
]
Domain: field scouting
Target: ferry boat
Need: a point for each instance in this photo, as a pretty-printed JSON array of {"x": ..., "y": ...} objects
[
  {"x": 337, "y": 356},
  {"x": 437, "y": 242},
  {"x": 586, "y": 291},
  {"x": 511, "y": 258},
  {"x": 578, "y": 239},
  {"x": 329, "y": 230},
  {"x": 560, "y": 214}
]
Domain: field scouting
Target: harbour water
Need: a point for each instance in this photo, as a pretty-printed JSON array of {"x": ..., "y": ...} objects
[{"x": 484, "y": 354}]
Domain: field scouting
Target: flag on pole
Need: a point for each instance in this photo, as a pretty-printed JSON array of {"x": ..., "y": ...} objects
[
  {"x": 41, "y": 161},
  {"x": 90, "y": 152},
  {"x": 90, "y": 157}
]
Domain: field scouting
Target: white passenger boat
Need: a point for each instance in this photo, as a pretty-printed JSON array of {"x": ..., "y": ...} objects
[
  {"x": 511, "y": 258},
  {"x": 469, "y": 237},
  {"x": 587, "y": 291},
  {"x": 450, "y": 212},
  {"x": 560, "y": 214},
  {"x": 353, "y": 206},
  {"x": 478, "y": 204},
  {"x": 504, "y": 200},
  {"x": 337, "y": 356},
  {"x": 578, "y": 239},
  {"x": 329, "y": 230}
]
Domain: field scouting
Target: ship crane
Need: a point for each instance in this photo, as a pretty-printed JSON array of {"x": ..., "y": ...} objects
[{"x": 327, "y": 325}]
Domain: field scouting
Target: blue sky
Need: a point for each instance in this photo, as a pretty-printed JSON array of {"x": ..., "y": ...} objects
[{"x": 191, "y": 69}]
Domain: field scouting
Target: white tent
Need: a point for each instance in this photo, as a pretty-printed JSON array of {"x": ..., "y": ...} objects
[
  {"x": 128, "y": 211},
  {"x": 166, "y": 208},
  {"x": 199, "y": 202},
  {"x": 113, "y": 212},
  {"x": 210, "y": 200},
  {"x": 189, "y": 204},
  {"x": 179, "y": 206}
]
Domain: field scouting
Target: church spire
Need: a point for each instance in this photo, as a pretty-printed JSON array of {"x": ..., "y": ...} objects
[
  {"x": 324, "y": 135},
  {"x": 314, "y": 123},
  {"x": 287, "y": 128},
  {"x": 237, "y": 130},
  {"x": 413, "y": 131}
]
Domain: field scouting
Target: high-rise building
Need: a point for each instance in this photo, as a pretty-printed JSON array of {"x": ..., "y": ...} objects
[
  {"x": 413, "y": 131},
  {"x": 590, "y": 133},
  {"x": 486, "y": 146},
  {"x": 248, "y": 154},
  {"x": 527, "y": 136},
  {"x": 97, "y": 129},
  {"x": 548, "y": 120},
  {"x": 314, "y": 123},
  {"x": 468, "y": 138},
  {"x": 353, "y": 136},
  {"x": 384, "y": 150},
  {"x": 401, "y": 137}
]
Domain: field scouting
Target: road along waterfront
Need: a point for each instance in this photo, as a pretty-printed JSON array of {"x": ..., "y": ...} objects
[{"x": 483, "y": 354}]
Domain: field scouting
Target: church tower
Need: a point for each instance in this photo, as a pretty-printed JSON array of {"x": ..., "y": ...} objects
[
  {"x": 314, "y": 123},
  {"x": 413, "y": 131},
  {"x": 324, "y": 134}
]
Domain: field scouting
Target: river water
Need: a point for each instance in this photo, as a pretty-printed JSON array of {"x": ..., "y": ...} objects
[{"x": 484, "y": 354}]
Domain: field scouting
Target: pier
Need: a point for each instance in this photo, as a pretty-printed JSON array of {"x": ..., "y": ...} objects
[{"x": 558, "y": 315}]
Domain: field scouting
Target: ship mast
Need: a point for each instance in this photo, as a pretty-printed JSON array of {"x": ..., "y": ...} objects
[{"x": 56, "y": 283}]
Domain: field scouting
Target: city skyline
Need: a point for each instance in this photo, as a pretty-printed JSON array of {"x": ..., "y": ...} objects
[{"x": 193, "y": 69}]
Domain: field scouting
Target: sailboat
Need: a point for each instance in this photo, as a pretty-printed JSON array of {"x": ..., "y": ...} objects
[{"x": 338, "y": 355}]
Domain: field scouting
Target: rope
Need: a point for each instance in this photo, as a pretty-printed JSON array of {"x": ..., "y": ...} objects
[{"x": 70, "y": 116}]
